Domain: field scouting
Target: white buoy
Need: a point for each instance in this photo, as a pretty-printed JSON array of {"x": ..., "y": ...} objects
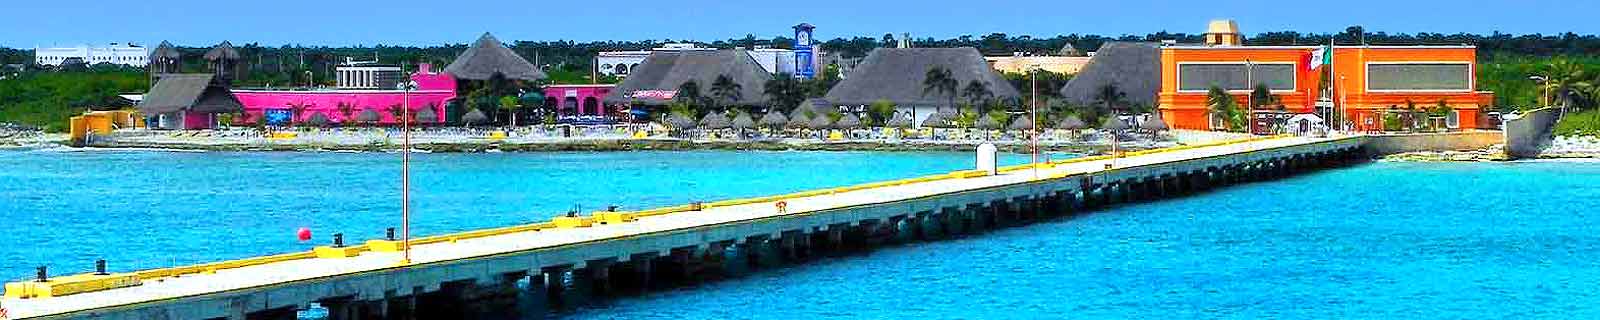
[{"x": 987, "y": 158}]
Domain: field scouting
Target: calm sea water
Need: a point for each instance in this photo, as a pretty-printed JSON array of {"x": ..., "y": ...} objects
[
  {"x": 149, "y": 209},
  {"x": 1382, "y": 240}
]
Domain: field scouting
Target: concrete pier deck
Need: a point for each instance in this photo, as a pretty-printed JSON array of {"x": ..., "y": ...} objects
[{"x": 267, "y": 287}]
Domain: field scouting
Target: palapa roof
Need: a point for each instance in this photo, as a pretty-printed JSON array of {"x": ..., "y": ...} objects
[
  {"x": 1114, "y": 124},
  {"x": 849, "y": 121},
  {"x": 896, "y": 74},
  {"x": 1134, "y": 67},
  {"x": 165, "y": 51},
  {"x": 192, "y": 92},
  {"x": 744, "y": 121},
  {"x": 1153, "y": 123},
  {"x": 223, "y": 51},
  {"x": 369, "y": 116},
  {"x": 1070, "y": 123},
  {"x": 475, "y": 117},
  {"x": 427, "y": 115},
  {"x": 318, "y": 120},
  {"x": 899, "y": 122},
  {"x": 1021, "y": 123},
  {"x": 821, "y": 121},
  {"x": 716, "y": 120},
  {"x": 774, "y": 119},
  {"x": 664, "y": 71},
  {"x": 679, "y": 121},
  {"x": 487, "y": 57},
  {"x": 987, "y": 122}
]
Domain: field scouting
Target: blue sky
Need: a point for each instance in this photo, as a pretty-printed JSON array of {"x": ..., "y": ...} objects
[{"x": 409, "y": 22}]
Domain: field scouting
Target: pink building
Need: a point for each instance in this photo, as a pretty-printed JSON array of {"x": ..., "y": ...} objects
[
  {"x": 434, "y": 89},
  {"x": 577, "y": 99}
]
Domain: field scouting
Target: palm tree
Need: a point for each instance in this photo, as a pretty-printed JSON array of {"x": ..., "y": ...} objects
[
  {"x": 976, "y": 92},
  {"x": 347, "y": 112},
  {"x": 299, "y": 110},
  {"x": 1222, "y": 106},
  {"x": 1566, "y": 79},
  {"x": 784, "y": 91},
  {"x": 1110, "y": 97},
  {"x": 940, "y": 81},
  {"x": 509, "y": 104},
  {"x": 399, "y": 113},
  {"x": 725, "y": 90},
  {"x": 689, "y": 92}
]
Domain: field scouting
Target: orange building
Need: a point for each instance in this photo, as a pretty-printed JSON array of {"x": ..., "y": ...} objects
[{"x": 1367, "y": 82}]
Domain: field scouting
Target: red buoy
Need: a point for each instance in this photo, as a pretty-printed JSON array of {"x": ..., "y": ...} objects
[{"x": 304, "y": 234}]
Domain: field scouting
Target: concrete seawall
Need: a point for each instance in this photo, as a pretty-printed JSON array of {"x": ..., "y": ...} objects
[{"x": 1382, "y": 145}]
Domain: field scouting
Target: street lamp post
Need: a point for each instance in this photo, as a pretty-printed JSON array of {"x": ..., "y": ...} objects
[
  {"x": 405, "y": 170},
  {"x": 1544, "y": 87},
  {"x": 1034, "y": 125}
]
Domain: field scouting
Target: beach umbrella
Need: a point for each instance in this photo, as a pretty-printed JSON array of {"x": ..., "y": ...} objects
[
  {"x": 1153, "y": 123},
  {"x": 848, "y": 121},
  {"x": 988, "y": 123},
  {"x": 899, "y": 122},
  {"x": 474, "y": 117},
  {"x": 799, "y": 114},
  {"x": 716, "y": 120},
  {"x": 820, "y": 122},
  {"x": 318, "y": 120},
  {"x": 1113, "y": 124},
  {"x": 1021, "y": 123},
  {"x": 678, "y": 121},
  {"x": 936, "y": 120},
  {"x": 774, "y": 119},
  {"x": 427, "y": 115},
  {"x": 1070, "y": 123},
  {"x": 369, "y": 116},
  {"x": 743, "y": 121}
]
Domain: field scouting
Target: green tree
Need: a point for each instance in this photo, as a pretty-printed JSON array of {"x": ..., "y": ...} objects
[
  {"x": 689, "y": 93},
  {"x": 725, "y": 91},
  {"x": 939, "y": 81},
  {"x": 880, "y": 111},
  {"x": 510, "y": 105},
  {"x": 1222, "y": 106},
  {"x": 977, "y": 94},
  {"x": 1261, "y": 97},
  {"x": 784, "y": 91},
  {"x": 1111, "y": 98}
]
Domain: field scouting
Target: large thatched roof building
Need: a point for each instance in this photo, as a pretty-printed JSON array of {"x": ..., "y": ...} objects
[
  {"x": 1133, "y": 67},
  {"x": 488, "y": 57},
  {"x": 897, "y": 74},
  {"x": 188, "y": 101},
  {"x": 655, "y": 81}
]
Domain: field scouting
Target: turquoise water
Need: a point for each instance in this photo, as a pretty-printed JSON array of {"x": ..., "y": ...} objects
[
  {"x": 1380, "y": 240},
  {"x": 1376, "y": 241},
  {"x": 145, "y": 209}
]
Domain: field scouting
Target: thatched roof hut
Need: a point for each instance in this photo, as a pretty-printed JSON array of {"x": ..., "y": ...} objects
[
  {"x": 223, "y": 51},
  {"x": 899, "y": 121},
  {"x": 318, "y": 120},
  {"x": 1114, "y": 124},
  {"x": 488, "y": 57},
  {"x": 1153, "y": 123},
  {"x": 369, "y": 116},
  {"x": 1070, "y": 123},
  {"x": 896, "y": 74},
  {"x": 988, "y": 123},
  {"x": 743, "y": 121},
  {"x": 165, "y": 51},
  {"x": 1133, "y": 67},
  {"x": 774, "y": 119},
  {"x": 655, "y": 81},
  {"x": 678, "y": 121},
  {"x": 821, "y": 121},
  {"x": 475, "y": 117},
  {"x": 716, "y": 120},
  {"x": 938, "y": 120},
  {"x": 427, "y": 115},
  {"x": 1024, "y": 122},
  {"x": 848, "y": 121},
  {"x": 189, "y": 92}
]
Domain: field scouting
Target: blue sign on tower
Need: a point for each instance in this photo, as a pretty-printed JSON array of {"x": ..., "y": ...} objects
[{"x": 804, "y": 66}]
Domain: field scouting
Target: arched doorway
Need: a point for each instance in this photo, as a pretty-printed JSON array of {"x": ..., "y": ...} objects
[
  {"x": 621, "y": 69},
  {"x": 569, "y": 107}
]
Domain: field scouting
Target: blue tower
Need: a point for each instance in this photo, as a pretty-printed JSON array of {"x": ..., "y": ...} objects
[{"x": 805, "y": 66}]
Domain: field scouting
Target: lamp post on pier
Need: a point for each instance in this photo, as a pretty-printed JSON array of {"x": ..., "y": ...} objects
[{"x": 405, "y": 170}]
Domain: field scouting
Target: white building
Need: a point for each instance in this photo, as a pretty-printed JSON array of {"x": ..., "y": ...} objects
[
  {"x": 621, "y": 63},
  {"x": 124, "y": 54},
  {"x": 368, "y": 75}
]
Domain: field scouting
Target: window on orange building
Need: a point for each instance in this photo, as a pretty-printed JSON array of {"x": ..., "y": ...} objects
[
  {"x": 1419, "y": 77},
  {"x": 1199, "y": 77}
]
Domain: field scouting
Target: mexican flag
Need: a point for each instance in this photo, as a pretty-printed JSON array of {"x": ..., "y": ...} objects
[{"x": 1321, "y": 56}]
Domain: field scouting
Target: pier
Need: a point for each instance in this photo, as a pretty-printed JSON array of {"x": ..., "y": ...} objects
[{"x": 573, "y": 258}]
